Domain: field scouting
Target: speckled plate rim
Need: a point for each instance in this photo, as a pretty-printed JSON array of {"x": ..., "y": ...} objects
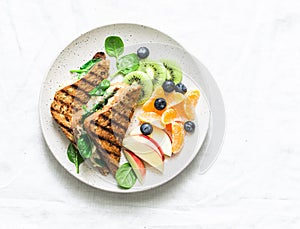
[{"x": 168, "y": 40}]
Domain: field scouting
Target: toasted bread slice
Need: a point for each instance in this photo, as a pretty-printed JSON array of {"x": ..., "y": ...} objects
[
  {"x": 107, "y": 127},
  {"x": 66, "y": 108}
]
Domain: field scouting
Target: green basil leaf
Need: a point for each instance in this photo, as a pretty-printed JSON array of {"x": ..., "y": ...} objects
[
  {"x": 128, "y": 63},
  {"x": 84, "y": 145},
  {"x": 114, "y": 46},
  {"x": 125, "y": 176},
  {"x": 74, "y": 156}
]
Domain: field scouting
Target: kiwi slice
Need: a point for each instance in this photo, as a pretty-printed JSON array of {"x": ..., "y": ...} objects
[
  {"x": 156, "y": 71},
  {"x": 174, "y": 72},
  {"x": 142, "y": 79}
]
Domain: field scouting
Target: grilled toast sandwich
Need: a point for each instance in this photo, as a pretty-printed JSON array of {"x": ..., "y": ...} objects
[
  {"x": 67, "y": 105},
  {"x": 107, "y": 127}
]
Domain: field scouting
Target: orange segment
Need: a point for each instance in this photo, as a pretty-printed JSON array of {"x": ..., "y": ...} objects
[
  {"x": 174, "y": 98},
  {"x": 149, "y": 107},
  {"x": 177, "y": 136},
  {"x": 153, "y": 118},
  {"x": 181, "y": 112},
  {"x": 149, "y": 104},
  {"x": 189, "y": 109},
  {"x": 193, "y": 96},
  {"x": 169, "y": 116}
]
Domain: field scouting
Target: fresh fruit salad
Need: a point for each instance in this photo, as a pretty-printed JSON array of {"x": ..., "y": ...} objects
[{"x": 164, "y": 113}]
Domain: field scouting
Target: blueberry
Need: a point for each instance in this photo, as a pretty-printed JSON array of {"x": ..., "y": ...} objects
[
  {"x": 160, "y": 104},
  {"x": 189, "y": 126},
  {"x": 146, "y": 128},
  {"x": 169, "y": 86},
  {"x": 143, "y": 52},
  {"x": 181, "y": 88}
]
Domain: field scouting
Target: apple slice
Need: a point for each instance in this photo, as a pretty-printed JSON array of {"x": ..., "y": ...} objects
[
  {"x": 160, "y": 137},
  {"x": 136, "y": 164},
  {"x": 157, "y": 146},
  {"x": 151, "y": 142},
  {"x": 145, "y": 150}
]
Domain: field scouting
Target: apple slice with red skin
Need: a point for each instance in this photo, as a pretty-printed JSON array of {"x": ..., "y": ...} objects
[
  {"x": 160, "y": 138},
  {"x": 145, "y": 150},
  {"x": 136, "y": 164},
  {"x": 161, "y": 153},
  {"x": 149, "y": 142}
]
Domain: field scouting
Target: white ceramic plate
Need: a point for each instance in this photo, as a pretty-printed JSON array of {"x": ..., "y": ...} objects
[{"x": 134, "y": 36}]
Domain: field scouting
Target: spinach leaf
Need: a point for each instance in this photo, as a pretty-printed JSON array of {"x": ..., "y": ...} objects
[
  {"x": 128, "y": 63},
  {"x": 95, "y": 108},
  {"x": 84, "y": 69},
  {"x": 96, "y": 92},
  {"x": 114, "y": 46},
  {"x": 84, "y": 145},
  {"x": 74, "y": 156},
  {"x": 88, "y": 65},
  {"x": 101, "y": 88},
  {"x": 105, "y": 84},
  {"x": 125, "y": 176},
  {"x": 100, "y": 105},
  {"x": 84, "y": 108}
]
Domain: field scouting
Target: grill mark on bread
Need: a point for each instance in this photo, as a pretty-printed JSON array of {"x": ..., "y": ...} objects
[
  {"x": 125, "y": 104},
  {"x": 68, "y": 134},
  {"x": 106, "y": 118},
  {"x": 73, "y": 96},
  {"x": 92, "y": 73},
  {"x": 69, "y": 129},
  {"x": 107, "y": 127},
  {"x": 84, "y": 80},
  {"x": 118, "y": 124},
  {"x": 76, "y": 87},
  {"x": 123, "y": 116},
  {"x": 109, "y": 130},
  {"x": 62, "y": 107},
  {"x": 111, "y": 160},
  {"x": 105, "y": 133},
  {"x": 67, "y": 117},
  {"x": 71, "y": 108},
  {"x": 66, "y": 108},
  {"x": 106, "y": 149},
  {"x": 101, "y": 126}
]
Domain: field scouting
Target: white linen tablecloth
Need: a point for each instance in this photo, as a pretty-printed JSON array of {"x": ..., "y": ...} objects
[{"x": 252, "y": 49}]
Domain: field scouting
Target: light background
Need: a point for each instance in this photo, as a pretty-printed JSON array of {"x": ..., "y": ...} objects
[{"x": 252, "y": 49}]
